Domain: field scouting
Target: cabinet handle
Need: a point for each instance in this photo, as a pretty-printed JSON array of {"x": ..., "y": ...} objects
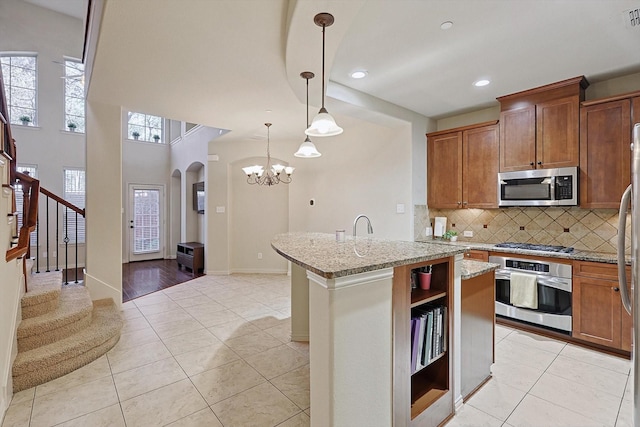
[
  {"x": 540, "y": 163},
  {"x": 465, "y": 203},
  {"x": 459, "y": 203},
  {"x": 531, "y": 164},
  {"x": 616, "y": 289}
]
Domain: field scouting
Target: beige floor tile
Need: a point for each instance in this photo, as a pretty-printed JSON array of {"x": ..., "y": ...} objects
[
  {"x": 168, "y": 316},
  {"x": 160, "y": 307},
  {"x": 99, "y": 368},
  {"x": 136, "y": 338},
  {"x": 272, "y": 320},
  {"x": 535, "y": 412},
  {"x": 123, "y": 360},
  {"x": 190, "y": 341},
  {"x": 515, "y": 375},
  {"x": 589, "y": 375},
  {"x": 24, "y": 396},
  {"x": 223, "y": 382},
  {"x": 135, "y": 382},
  {"x": 192, "y": 301},
  {"x": 281, "y": 332},
  {"x": 212, "y": 318},
  {"x": 507, "y": 350},
  {"x": 497, "y": 400},
  {"x": 181, "y": 292},
  {"x": 295, "y": 385},
  {"x": 254, "y": 343},
  {"x": 110, "y": 416},
  {"x": 300, "y": 346},
  {"x": 203, "y": 418},
  {"x": 233, "y": 329},
  {"x": 625, "y": 415},
  {"x": 502, "y": 332},
  {"x": 262, "y": 405},
  {"x": 469, "y": 416},
  {"x": 597, "y": 358},
  {"x": 18, "y": 414},
  {"x": 135, "y": 324},
  {"x": 73, "y": 402},
  {"x": 151, "y": 299},
  {"x": 256, "y": 311},
  {"x": 163, "y": 406},
  {"x": 130, "y": 312},
  {"x": 179, "y": 327},
  {"x": 276, "y": 361},
  {"x": 205, "y": 358},
  {"x": 536, "y": 341},
  {"x": 299, "y": 420},
  {"x": 591, "y": 403}
]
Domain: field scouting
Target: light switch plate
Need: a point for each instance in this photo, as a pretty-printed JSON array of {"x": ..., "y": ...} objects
[
  {"x": 400, "y": 208},
  {"x": 219, "y": 209}
]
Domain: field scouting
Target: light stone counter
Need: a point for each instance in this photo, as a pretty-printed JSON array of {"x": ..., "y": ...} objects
[
  {"x": 470, "y": 268},
  {"x": 321, "y": 254}
]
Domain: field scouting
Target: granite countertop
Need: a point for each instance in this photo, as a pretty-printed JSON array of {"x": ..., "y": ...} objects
[
  {"x": 321, "y": 254},
  {"x": 471, "y": 268},
  {"x": 605, "y": 257}
]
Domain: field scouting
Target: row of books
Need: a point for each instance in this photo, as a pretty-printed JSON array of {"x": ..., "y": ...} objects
[{"x": 428, "y": 335}]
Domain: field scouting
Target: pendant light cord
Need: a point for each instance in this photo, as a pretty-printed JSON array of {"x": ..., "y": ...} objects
[
  {"x": 307, "y": 102},
  {"x": 323, "y": 28}
]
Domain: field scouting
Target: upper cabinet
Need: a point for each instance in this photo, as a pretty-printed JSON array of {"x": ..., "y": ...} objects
[
  {"x": 462, "y": 167},
  {"x": 539, "y": 128},
  {"x": 605, "y": 155}
]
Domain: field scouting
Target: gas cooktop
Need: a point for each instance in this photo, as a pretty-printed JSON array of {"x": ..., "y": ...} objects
[{"x": 534, "y": 247}]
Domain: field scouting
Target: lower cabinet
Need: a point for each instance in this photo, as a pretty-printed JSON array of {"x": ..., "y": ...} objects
[
  {"x": 477, "y": 255},
  {"x": 598, "y": 314},
  {"x": 477, "y": 326}
]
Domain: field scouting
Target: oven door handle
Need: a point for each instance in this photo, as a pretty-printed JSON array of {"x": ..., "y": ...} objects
[{"x": 552, "y": 282}]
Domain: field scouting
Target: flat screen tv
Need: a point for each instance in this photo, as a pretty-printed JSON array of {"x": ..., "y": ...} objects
[{"x": 198, "y": 197}]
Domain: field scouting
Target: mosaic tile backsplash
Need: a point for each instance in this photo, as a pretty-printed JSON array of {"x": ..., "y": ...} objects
[{"x": 582, "y": 229}]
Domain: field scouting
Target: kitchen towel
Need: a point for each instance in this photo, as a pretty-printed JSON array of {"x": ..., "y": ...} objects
[{"x": 524, "y": 290}]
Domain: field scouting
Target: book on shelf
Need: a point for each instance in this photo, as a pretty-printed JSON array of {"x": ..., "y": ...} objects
[{"x": 428, "y": 335}]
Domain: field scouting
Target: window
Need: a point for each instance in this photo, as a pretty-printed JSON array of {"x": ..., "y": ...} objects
[
  {"x": 32, "y": 171},
  {"x": 19, "y": 74},
  {"x": 144, "y": 127},
  {"x": 74, "y": 191},
  {"x": 74, "y": 96}
]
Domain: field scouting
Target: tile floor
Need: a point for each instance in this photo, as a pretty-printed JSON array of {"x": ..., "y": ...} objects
[{"x": 215, "y": 351}]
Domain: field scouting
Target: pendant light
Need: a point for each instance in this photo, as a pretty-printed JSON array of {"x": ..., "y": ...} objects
[
  {"x": 307, "y": 148},
  {"x": 323, "y": 124}
]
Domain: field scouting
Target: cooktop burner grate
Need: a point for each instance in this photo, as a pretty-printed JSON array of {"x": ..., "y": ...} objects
[{"x": 534, "y": 247}]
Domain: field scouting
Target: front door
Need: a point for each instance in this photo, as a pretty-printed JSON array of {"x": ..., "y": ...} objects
[{"x": 146, "y": 222}]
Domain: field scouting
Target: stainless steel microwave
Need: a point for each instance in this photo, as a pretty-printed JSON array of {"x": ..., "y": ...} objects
[{"x": 539, "y": 187}]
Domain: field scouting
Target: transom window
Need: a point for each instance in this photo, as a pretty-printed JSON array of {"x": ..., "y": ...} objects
[
  {"x": 19, "y": 75},
  {"x": 144, "y": 127},
  {"x": 74, "y": 112},
  {"x": 74, "y": 192}
]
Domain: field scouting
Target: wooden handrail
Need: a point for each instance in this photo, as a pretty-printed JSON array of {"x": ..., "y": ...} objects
[
  {"x": 62, "y": 201},
  {"x": 30, "y": 216}
]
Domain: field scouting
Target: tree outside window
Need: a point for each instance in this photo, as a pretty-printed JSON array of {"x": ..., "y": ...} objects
[
  {"x": 19, "y": 74},
  {"x": 144, "y": 127},
  {"x": 74, "y": 96}
]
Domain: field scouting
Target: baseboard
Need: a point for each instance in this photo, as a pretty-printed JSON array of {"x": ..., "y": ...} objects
[
  {"x": 217, "y": 272},
  {"x": 300, "y": 337},
  {"x": 258, "y": 271},
  {"x": 99, "y": 290},
  {"x": 12, "y": 350}
]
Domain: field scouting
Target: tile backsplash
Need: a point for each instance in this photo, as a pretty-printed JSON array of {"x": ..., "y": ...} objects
[{"x": 582, "y": 229}]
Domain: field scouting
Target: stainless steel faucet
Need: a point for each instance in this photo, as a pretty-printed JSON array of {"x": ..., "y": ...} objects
[{"x": 355, "y": 223}]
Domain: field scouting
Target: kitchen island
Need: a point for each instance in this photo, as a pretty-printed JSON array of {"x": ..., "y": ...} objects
[{"x": 355, "y": 299}]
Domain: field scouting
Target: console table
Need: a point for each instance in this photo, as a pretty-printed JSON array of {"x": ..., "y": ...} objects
[{"x": 191, "y": 255}]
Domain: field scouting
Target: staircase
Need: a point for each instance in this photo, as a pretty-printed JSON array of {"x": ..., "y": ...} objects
[{"x": 61, "y": 330}]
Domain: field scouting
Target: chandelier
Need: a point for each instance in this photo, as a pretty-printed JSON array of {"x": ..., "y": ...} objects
[{"x": 269, "y": 175}]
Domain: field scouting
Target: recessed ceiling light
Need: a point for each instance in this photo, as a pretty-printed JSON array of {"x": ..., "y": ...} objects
[
  {"x": 446, "y": 25},
  {"x": 481, "y": 83},
  {"x": 360, "y": 74}
]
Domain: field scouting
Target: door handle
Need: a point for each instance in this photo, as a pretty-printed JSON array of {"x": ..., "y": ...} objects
[
  {"x": 622, "y": 223},
  {"x": 616, "y": 289},
  {"x": 131, "y": 226}
]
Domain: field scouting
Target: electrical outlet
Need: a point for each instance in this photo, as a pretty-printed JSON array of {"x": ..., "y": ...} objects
[
  {"x": 259, "y": 255},
  {"x": 468, "y": 233}
]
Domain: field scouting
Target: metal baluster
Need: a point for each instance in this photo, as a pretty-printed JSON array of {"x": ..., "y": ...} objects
[
  {"x": 57, "y": 232},
  {"x": 66, "y": 246},
  {"x": 76, "y": 263},
  {"x": 37, "y": 243},
  {"x": 47, "y": 234}
]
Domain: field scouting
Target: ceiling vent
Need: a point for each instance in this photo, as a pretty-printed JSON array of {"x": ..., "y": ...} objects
[{"x": 632, "y": 18}]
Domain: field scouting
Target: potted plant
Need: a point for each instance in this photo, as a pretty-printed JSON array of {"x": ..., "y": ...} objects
[
  {"x": 156, "y": 137},
  {"x": 136, "y": 135},
  {"x": 25, "y": 120},
  {"x": 72, "y": 126},
  {"x": 451, "y": 235}
]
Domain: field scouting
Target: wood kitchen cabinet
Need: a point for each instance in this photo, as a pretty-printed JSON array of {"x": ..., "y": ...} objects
[
  {"x": 539, "y": 128},
  {"x": 605, "y": 157},
  {"x": 598, "y": 314},
  {"x": 477, "y": 255},
  {"x": 462, "y": 167}
]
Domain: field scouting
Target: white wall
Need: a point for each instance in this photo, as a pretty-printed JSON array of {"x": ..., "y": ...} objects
[{"x": 28, "y": 28}]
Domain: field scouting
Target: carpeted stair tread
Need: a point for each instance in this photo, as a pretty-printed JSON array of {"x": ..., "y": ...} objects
[
  {"x": 42, "y": 295},
  {"x": 72, "y": 315},
  {"x": 54, "y": 360}
]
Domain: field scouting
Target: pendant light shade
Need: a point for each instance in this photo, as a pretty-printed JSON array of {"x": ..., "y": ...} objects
[
  {"x": 307, "y": 149},
  {"x": 323, "y": 124}
]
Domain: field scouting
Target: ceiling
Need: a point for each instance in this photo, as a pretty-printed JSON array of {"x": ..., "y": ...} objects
[{"x": 235, "y": 64}]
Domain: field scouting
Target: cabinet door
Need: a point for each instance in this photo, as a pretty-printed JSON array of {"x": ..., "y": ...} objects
[
  {"x": 518, "y": 139},
  {"x": 480, "y": 167},
  {"x": 444, "y": 171},
  {"x": 557, "y": 131},
  {"x": 597, "y": 311},
  {"x": 477, "y": 255},
  {"x": 605, "y": 157}
]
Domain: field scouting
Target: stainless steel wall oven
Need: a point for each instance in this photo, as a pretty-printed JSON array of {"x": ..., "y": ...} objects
[{"x": 554, "y": 286}]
